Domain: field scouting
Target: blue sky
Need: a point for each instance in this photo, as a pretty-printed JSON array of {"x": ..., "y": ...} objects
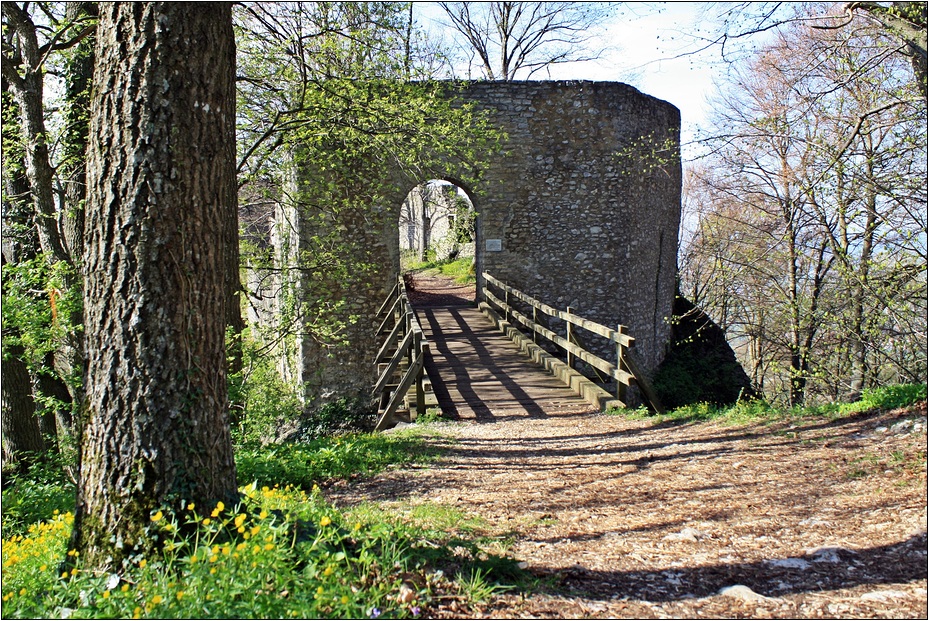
[{"x": 644, "y": 46}]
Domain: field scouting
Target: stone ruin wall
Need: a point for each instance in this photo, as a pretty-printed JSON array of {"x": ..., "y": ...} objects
[{"x": 565, "y": 214}]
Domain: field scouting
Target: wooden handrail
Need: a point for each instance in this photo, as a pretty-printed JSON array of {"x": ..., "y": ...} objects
[
  {"x": 624, "y": 370},
  {"x": 407, "y": 342}
]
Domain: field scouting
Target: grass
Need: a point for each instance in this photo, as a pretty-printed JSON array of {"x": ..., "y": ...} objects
[
  {"x": 460, "y": 270},
  {"x": 305, "y": 464},
  {"x": 284, "y": 552},
  {"x": 885, "y": 398}
]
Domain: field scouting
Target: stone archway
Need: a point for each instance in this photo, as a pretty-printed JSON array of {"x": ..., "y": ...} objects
[{"x": 581, "y": 208}]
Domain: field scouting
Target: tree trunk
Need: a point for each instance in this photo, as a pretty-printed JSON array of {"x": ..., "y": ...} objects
[
  {"x": 20, "y": 426},
  {"x": 161, "y": 190},
  {"x": 28, "y": 91}
]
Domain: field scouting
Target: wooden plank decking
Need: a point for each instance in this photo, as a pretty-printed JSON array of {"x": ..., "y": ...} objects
[{"x": 479, "y": 374}]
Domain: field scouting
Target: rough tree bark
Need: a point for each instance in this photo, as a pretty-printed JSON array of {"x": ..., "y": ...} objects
[{"x": 161, "y": 188}]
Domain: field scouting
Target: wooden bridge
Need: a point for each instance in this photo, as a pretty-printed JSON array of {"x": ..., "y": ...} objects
[{"x": 473, "y": 362}]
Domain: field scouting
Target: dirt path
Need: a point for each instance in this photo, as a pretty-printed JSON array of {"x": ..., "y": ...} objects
[{"x": 627, "y": 519}]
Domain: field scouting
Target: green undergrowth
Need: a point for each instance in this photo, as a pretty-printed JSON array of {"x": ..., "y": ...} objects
[
  {"x": 303, "y": 464},
  {"x": 883, "y": 398},
  {"x": 284, "y": 552},
  {"x": 460, "y": 270}
]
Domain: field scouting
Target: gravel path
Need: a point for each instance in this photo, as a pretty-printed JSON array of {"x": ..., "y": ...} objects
[{"x": 629, "y": 519}]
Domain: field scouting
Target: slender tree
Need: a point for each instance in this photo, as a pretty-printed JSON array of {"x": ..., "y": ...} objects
[
  {"x": 812, "y": 232},
  {"x": 161, "y": 188},
  {"x": 511, "y": 39}
]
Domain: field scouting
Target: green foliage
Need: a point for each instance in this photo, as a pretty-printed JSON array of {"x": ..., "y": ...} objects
[
  {"x": 461, "y": 270},
  {"x": 890, "y": 397},
  {"x": 432, "y": 415},
  {"x": 261, "y": 399},
  {"x": 337, "y": 417},
  {"x": 42, "y": 490},
  {"x": 650, "y": 154},
  {"x": 282, "y": 553},
  {"x": 38, "y": 309},
  {"x": 885, "y": 398},
  {"x": 304, "y": 464}
]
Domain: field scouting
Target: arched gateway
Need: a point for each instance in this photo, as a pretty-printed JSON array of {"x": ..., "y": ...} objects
[{"x": 580, "y": 208}]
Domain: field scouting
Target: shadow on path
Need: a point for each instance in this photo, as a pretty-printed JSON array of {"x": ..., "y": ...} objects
[
  {"x": 477, "y": 373},
  {"x": 823, "y": 570}
]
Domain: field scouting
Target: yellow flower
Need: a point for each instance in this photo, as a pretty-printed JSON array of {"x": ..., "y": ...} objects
[
  {"x": 136, "y": 613},
  {"x": 190, "y": 507},
  {"x": 226, "y": 550},
  {"x": 269, "y": 546},
  {"x": 23, "y": 591},
  {"x": 215, "y": 513},
  {"x": 327, "y": 571},
  {"x": 214, "y": 558},
  {"x": 143, "y": 563},
  {"x": 74, "y": 572},
  {"x": 157, "y": 516},
  {"x": 256, "y": 550},
  {"x": 106, "y": 594},
  {"x": 206, "y": 521},
  {"x": 124, "y": 588},
  {"x": 240, "y": 547},
  {"x": 64, "y": 574},
  {"x": 212, "y": 571},
  {"x": 255, "y": 529},
  {"x": 220, "y": 506},
  {"x": 156, "y": 600},
  {"x": 345, "y": 599},
  {"x": 180, "y": 594},
  {"x": 239, "y": 520},
  {"x": 325, "y": 521},
  {"x": 43, "y": 567}
]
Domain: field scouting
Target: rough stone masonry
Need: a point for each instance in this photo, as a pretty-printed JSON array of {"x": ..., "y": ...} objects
[{"x": 580, "y": 208}]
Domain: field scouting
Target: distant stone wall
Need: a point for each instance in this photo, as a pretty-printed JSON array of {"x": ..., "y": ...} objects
[{"x": 581, "y": 208}]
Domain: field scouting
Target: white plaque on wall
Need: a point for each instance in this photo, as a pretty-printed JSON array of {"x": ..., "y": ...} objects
[{"x": 493, "y": 245}]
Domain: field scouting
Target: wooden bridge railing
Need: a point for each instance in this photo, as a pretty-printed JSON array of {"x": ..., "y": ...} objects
[
  {"x": 624, "y": 370},
  {"x": 403, "y": 351}
]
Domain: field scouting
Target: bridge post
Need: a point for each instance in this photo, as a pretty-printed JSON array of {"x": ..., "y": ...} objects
[
  {"x": 570, "y": 358},
  {"x": 535, "y": 322},
  {"x": 419, "y": 346},
  {"x": 506, "y": 302},
  {"x": 621, "y": 365}
]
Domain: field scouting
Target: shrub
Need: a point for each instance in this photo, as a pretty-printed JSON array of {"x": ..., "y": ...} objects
[{"x": 282, "y": 553}]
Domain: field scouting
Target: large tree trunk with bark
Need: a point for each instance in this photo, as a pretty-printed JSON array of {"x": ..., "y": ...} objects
[{"x": 161, "y": 189}]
